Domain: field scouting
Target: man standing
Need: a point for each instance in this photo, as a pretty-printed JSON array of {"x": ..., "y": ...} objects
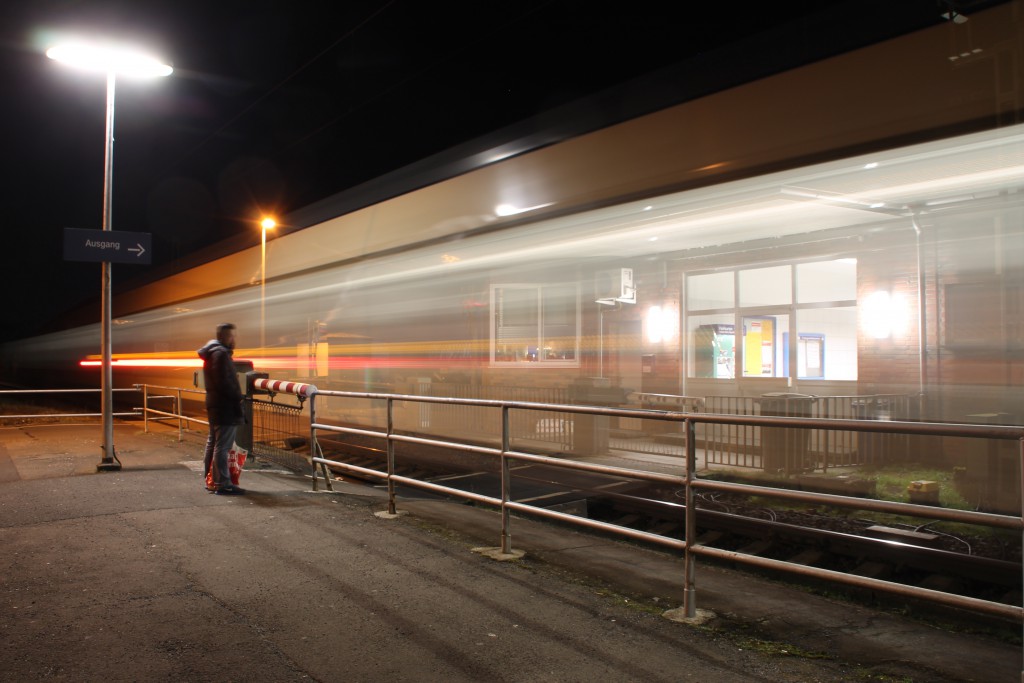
[{"x": 223, "y": 407}]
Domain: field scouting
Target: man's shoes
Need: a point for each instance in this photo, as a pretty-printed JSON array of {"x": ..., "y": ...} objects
[
  {"x": 230, "y": 491},
  {"x": 210, "y": 488}
]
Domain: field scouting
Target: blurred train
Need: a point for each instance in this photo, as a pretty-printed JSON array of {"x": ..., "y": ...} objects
[{"x": 850, "y": 228}]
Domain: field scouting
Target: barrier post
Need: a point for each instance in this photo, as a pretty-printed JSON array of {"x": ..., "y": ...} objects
[
  {"x": 177, "y": 409},
  {"x": 258, "y": 382},
  {"x": 245, "y": 436},
  {"x": 145, "y": 408}
]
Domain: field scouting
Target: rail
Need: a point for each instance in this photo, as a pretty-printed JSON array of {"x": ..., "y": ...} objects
[
  {"x": 28, "y": 392},
  {"x": 689, "y": 546},
  {"x": 273, "y": 424},
  {"x": 175, "y": 412}
]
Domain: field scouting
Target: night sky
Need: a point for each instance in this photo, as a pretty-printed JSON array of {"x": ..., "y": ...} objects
[{"x": 274, "y": 105}]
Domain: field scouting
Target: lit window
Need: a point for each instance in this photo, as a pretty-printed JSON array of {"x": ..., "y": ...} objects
[{"x": 535, "y": 324}]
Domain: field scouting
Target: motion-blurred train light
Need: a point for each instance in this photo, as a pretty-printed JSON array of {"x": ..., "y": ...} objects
[
  {"x": 146, "y": 363},
  {"x": 503, "y": 210}
]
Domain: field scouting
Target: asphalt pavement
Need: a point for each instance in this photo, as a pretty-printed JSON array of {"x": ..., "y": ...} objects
[{"x": 141, "y": 575}]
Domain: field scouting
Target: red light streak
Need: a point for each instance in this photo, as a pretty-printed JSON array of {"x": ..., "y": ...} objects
[
  {"x": 145, "y": 363},
  {"x": 297, "y": 364}
]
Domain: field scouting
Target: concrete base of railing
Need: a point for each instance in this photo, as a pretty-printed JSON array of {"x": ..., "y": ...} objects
[
  {"x": 703, "y": 616},
  {"x": 384, "y": 514},
  {"x": 496, "y": 554}
]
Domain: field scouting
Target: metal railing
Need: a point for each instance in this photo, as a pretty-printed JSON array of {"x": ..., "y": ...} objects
[
  {"x": 174, "y": 414},
  {"x": 730, "y": 445},
  {"x": 276, "y": 431},
  {"x": 688, "y": 482},
  {"x": 506, "y": 456},
  {"x": 636, "y": 435},
  {"x": 22, "y": 393}
]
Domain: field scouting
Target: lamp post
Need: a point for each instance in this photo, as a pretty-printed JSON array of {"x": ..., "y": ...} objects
[
  {"x": 267, "y": 223},
  {"x": 111, "y": 61}
]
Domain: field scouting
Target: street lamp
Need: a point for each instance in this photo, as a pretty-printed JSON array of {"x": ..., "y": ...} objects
[
  {"x": 111, "y": 61},
  {"x": 267, "y": 223}
]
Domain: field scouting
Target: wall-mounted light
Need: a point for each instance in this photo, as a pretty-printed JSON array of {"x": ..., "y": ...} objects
[
  {"x": 885, "y": 315},
  {"x": 662, "y": 324}
]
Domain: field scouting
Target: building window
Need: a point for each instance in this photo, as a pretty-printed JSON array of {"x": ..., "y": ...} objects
[
  {"x": 535, "y": 325},
  {"x": 796, "y": 320},
  {"x": 983, "y": 313}
]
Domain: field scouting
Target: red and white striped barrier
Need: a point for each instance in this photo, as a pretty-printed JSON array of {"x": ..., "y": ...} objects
[{"x": 281, "y": 386}]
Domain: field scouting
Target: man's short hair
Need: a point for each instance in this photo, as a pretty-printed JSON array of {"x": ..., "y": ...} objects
[{"x": 223, "y": 329}]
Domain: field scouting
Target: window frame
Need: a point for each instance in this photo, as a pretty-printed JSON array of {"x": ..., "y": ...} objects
[
  {"x": 539, "y": 333},
  {"x": 741, "y": 314}
]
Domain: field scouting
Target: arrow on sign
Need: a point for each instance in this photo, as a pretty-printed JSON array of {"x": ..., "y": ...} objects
[{"x": 139, "y": 248}]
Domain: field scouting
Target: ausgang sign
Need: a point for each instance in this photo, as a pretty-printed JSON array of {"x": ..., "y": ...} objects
[{"x": 114, "y": 246}]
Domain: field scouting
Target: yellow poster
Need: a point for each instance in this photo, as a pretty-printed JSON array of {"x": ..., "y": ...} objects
[
  {"x": 758, "y": 347},
  {"x": 752, "y": 348},
  {"x": 767, "y": 347}
]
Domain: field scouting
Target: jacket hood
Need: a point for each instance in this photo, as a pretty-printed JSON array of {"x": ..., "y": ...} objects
[{"x": 210, "y": 347}]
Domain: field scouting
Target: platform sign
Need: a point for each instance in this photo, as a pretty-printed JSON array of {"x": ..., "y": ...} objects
[{"x": 115, "y": 246}]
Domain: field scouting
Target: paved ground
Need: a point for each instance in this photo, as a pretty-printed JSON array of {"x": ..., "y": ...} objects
[{"x": 141, "y": 575}]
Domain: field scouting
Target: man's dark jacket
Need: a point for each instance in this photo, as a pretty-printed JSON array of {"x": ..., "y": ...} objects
[{"x": 223, "y": 395}]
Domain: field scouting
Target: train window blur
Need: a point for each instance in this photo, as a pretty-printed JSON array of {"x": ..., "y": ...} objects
[{"x": 535, "y": 324}]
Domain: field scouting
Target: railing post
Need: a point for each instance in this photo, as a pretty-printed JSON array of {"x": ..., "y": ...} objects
[
  {"x": 689, "y": 593},
  {"x": 177, "y": 411},
  {"x": 506, "y": 533},
  {"x": 391, "y": 457},
  {"x": 314, "y": 447},
  {"x": 145, "y": 408},
  {"x": 312, "y": 421},
  {"x": 313, "y": 442}
]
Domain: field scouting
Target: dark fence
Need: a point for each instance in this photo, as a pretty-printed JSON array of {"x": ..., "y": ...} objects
[{"x": 280, "y": 434}]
